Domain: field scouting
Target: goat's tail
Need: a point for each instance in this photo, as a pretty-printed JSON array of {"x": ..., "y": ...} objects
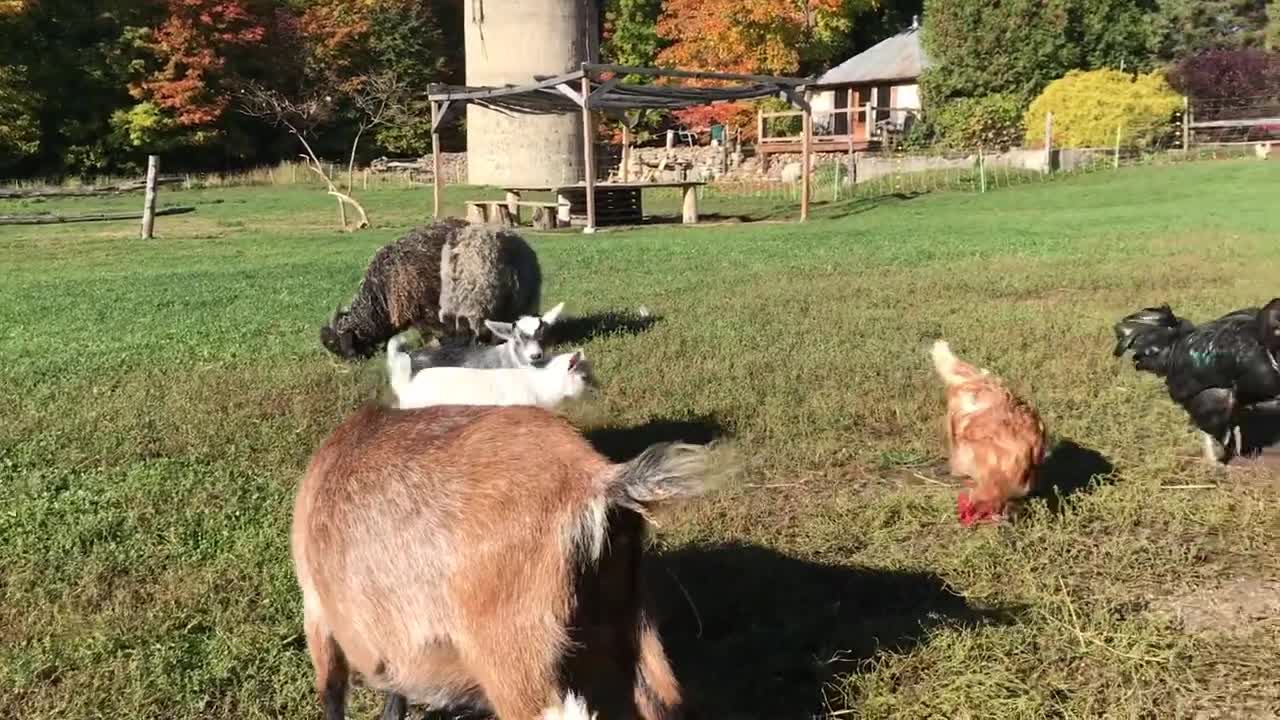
[
  {"x": 571, "y": 708},
  {"x": 669, "y": 471},
  {"x": 399, "y": 368},
  {"x": 950, "y": 368}
]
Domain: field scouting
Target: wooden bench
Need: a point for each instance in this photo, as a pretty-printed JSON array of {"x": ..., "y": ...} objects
[{"x": 506, "y": 213}]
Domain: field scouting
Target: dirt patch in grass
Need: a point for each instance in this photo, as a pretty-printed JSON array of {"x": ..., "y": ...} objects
[{"x": 1235, "y": 607}]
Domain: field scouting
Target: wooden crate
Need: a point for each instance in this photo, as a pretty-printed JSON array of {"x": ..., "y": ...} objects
[{"x": 614, "y": 206}]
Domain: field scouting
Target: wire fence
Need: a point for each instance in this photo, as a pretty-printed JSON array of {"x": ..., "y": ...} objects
[
  {"x": 1231, "y": 121},
  {"x": 1208, "y": 129},
  {"x": 841, "y": 176}
]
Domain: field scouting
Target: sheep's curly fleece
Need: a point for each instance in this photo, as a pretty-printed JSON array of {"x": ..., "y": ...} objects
[
  {"x": 401, "y": 287},
  {"x": 488, "y": 273}
]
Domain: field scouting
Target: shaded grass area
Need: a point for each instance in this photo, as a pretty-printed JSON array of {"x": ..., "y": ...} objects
[{"x": 164, "y": 397}]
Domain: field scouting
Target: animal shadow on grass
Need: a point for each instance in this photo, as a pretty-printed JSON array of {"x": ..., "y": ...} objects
[
  {"x": 621, "y": 444},
  {"x": 753, "y": 633},
  {"x": 613, "y": 322},
  {"x": 1070, "y": 468}
]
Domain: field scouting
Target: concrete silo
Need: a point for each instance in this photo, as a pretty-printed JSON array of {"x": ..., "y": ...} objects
[{"x": 508, "y": 42}]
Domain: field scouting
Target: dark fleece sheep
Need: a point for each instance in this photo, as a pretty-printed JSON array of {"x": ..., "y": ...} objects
[
  {"x": 496, "y": 275},
  {"x": 400, "y": 289}
]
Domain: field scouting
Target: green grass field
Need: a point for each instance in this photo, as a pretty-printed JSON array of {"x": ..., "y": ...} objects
[{"x": 162, "y": 399}]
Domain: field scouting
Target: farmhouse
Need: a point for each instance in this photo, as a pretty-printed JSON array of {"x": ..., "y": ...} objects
[{"x": 865, "y": 101}]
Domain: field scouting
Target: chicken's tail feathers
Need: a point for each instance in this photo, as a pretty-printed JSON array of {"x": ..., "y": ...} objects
[
  {"x": 950, "y": 368},
  {"x": 1148, "y": 334}
]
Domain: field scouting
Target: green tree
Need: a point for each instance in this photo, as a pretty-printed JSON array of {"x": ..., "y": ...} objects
[
  {"x": 1272, "y": 38},
  {"x": 19, "y": 125},
  {"x": 631, "y": 32},
  {"x": 77, "y": 57},
  {"x": 408, "y": 43},
  {"x": 1187, "y": 27},
  {"x": 1018, "y": 47}
]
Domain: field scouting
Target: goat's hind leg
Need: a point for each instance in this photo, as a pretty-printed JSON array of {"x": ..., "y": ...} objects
[
  {"x": 518, "y": 683},
  {"x": 657, "y": 692},
  {"x": 394, "y": 707},
  {"x": 330, "y": 667}
]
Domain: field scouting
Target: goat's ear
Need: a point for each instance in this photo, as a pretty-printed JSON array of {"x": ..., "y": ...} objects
[
  {"x": 499, "y": 329},
  {"x": 575, "y": 359},
  {"x": 550, "y": 316}
]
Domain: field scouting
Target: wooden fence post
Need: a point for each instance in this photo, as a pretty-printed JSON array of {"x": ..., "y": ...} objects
[
  {"x": 1048, "y": 142},
  {"x": 149, "y": 200},
  {"x": 982, "y": 171},
  {"x": 1115, "y": 162},
  {"x": 1186, "y": 125}
]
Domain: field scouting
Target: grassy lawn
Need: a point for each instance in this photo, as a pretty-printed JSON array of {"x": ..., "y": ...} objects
[{"x": 162, "y": 399}]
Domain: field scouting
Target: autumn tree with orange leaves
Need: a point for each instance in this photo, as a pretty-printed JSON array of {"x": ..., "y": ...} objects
[
  {"x": 765, "y": 37},
  {"x": 196, "y": 46}
]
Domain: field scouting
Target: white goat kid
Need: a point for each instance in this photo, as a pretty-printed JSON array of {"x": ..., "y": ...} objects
[
  {"x": 565, "y": 376},
  {"x": 522, "y": 347}
]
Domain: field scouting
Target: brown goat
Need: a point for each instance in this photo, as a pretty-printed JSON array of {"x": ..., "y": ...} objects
[{"x": 484, "y": 557}]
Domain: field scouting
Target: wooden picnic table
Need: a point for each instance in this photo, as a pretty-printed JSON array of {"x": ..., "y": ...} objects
[{"x": 617, "y": 203}]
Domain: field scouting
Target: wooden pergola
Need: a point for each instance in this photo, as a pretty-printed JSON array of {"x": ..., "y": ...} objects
[{"x": 599, "y": 87}]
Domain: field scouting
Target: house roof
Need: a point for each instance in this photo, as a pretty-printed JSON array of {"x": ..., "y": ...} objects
[{"x": 897, "y": 58}]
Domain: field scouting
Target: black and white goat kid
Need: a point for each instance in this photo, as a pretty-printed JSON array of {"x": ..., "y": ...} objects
[
  {"x": 1217, "y": 372},
  {"x": 522, "y": 346}
]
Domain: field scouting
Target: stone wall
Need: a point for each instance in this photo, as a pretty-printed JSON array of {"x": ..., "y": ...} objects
[
  {"x": 866, "y": 166},
  {"x": 682, "y": 162},
  {"x": 711, "y": 163},
  {"x": 453, "y": 167}
]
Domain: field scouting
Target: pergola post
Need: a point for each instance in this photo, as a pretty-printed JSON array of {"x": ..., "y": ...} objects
[
  {"x": 435, "y": 159},
  {"x": 625, "y": 171},
  {"x": 588, "y": 153},
  {"x": 806, "y": 142}
]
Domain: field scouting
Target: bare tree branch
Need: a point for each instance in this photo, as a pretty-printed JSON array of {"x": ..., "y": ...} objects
[
  {"x": 301, "y": 118},
  {"x": 380, "y": 100}
]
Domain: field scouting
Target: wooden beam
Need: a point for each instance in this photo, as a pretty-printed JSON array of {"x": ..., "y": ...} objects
[
  {"x": 115, "y": 189},
  {"x": 588, "y": 157},
  {"x": 603, "y": 88},
  {"x": 595, "y": 69},
  {"x": 797, "y": 98},
  {"x": 446, "y": 109},
  {"x": 1246, "y": 122},
  {"x": 51, "y": 219},
  {"x": 470, "y": 93},
  {"x": 572, "y": 94},
  {"x": 805, "y": 160},
  {"x": 435, "y": 159}
]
